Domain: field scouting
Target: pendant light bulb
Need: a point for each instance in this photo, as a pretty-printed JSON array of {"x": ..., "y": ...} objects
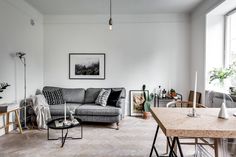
[
  {"x": 110, "y": 24},
  {"x": 110, "y": 20}
]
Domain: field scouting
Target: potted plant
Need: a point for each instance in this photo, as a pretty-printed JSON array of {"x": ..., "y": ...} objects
[
  {"x": 172, "y": 93},
  {"x": 220, "y": 74},
  {"x": 147, "y": 103},
  {"x": 3, "y": 86}
]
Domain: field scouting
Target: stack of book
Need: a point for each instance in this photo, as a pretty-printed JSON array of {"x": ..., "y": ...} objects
[{"x": 8, "y": 107}]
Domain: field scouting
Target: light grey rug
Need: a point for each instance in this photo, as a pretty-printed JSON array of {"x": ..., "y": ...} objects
[{"x": 134, "y": 139}]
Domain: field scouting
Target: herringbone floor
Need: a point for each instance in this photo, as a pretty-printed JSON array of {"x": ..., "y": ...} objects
[{"x": 134, "y": 139}]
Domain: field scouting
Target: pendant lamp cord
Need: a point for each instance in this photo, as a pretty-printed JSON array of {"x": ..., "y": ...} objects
[{"x": 110, "y": 8}]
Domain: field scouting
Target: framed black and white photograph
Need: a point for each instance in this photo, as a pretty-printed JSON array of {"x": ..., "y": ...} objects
[
  {"x": 87, "y": 66},
  {"x": 137, "y": 99}
]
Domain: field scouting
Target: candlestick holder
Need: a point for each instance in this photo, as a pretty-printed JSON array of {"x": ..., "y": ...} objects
[
  {"x": 66, "y": 122},
  {"x": 193, "y": 114}
]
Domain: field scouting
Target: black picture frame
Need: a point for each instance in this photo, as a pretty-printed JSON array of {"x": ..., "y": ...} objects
[
  {"x": 87, "y": 66},
  {"x": 135, "y": 112}
]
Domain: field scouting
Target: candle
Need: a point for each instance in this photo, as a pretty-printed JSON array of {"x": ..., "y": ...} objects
[
  {"x": 195, "y": 92},
  {"x": 65, "y": 111}
]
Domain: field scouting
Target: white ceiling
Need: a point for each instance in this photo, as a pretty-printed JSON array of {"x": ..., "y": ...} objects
[{"x": 118, "y": 6}]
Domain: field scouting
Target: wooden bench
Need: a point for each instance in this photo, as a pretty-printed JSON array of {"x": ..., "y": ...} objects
[{"x": 8, "y": 123}]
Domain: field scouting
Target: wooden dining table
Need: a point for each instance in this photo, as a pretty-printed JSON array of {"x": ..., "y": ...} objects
[{"x": 175, "y": 123}]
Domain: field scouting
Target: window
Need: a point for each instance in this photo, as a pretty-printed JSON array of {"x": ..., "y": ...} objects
[{"x": 230, "y": 38}]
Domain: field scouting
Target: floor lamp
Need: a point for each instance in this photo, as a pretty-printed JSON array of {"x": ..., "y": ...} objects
[{"x": 21, "y": 56}]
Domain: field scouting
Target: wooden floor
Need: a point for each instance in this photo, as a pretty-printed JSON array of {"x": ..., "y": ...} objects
[{"x": 134, "y": 139}]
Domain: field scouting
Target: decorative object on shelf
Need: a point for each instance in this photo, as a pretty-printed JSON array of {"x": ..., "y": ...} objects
[
  {"x": 137, "y": 99},
  {"x": 221, "y": 74},
  {"x": 172, "y": 93},
  {"x": 21, "y": 56},
  {"x": 159, "y": 92},
  {"x": 87, "y": 66},
  {"x": 3, "y": 86},
  {"x": 194, "y": 114},
  {"x": 147, "y": 103},
  {"x": 110, "y": 20},
  {"x": 163, "y": 93}
]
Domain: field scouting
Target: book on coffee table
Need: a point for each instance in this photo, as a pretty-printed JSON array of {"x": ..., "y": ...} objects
[{"x": 8, "y": 107}]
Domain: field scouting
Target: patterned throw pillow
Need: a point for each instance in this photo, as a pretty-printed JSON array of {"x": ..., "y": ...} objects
[
  {"x": 102, "y": 97},
  {"x": 54, "y": 97}
]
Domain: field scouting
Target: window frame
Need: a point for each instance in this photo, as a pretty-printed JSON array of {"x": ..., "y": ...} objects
[{"x": 226, "y": 37}]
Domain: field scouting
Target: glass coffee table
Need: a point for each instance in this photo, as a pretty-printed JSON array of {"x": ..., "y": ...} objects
[{"x": 57, "y": 124}]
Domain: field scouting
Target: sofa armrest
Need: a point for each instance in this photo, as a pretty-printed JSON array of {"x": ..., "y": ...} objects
[{"x": 121, "y": 104}]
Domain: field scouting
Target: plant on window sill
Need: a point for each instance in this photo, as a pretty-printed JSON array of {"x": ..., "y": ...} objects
[{"x": 221, "y": 74}]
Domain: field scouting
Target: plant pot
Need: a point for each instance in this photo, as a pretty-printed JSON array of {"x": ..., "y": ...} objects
[{"x": 147, "y": 115}]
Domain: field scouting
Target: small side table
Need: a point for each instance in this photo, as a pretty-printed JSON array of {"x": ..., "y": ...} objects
[
  {"x": 51, "y": 125},
  {"x": 8, "y": 123}
]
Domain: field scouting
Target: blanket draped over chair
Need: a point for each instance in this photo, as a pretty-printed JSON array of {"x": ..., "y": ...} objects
[{"x": 42, "y": 111}]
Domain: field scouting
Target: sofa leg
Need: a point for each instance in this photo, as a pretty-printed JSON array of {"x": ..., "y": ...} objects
[{"x": 117, "y": 125}]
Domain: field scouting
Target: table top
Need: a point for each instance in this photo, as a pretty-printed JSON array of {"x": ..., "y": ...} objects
[
  {"x": 51, "y": 124},
  {"x": 175, "y": 122}
]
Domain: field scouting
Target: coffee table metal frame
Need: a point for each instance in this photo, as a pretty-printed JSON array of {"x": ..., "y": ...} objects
[{"x": 51, "y": 125}]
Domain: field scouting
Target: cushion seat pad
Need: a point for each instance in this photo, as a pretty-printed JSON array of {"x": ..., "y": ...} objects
[
  {"x": 97, "y": 110},
  {"x": 58, "y": 110}
]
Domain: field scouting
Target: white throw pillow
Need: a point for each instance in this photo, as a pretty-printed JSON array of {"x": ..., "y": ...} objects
[{"x": 103, "y": 97}]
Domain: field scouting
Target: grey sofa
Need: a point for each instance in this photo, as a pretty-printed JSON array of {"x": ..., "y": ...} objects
[{"x": 83, "y": 101}]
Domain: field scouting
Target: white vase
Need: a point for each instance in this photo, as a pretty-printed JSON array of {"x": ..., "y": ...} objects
[{"x": 223, "y": 112}]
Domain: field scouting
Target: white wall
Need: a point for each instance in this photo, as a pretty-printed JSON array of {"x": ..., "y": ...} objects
[
  {"x": 198, "y": 40},
  {"x": 16, "y": 34},
  {"x": 144, "y": 49}
]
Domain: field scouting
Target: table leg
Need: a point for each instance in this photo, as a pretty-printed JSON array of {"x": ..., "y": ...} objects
[
  {"x": 64, "y": 138},
  {"x": 218, "y": 147},
  {"x": 81, "y": 131},
  {"x": 48, "y": 132},
  {"x": 172, "y": 147},
  {"x": 7, "y": 123},
  {"x": 180, "y": 149},
  {"x": 175, "y": 140},
  {"x": 169, "y": 145},
  {"x": 18, "y": 121},
  {"x": 154, "y": 141}
]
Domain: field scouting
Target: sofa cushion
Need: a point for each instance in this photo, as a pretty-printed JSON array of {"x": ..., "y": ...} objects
[
  {"x": 103, "y": 97},
  {"x": 97, "y": 110},
  {"x": 73, "y": 95},
  {"x": 58, "y": 110},
  {"x": 113, "y": 98},
  {"x": 54, "y": 96},
  {"x": 123, "y": 92},
  {"x": 91, "y": 95}
]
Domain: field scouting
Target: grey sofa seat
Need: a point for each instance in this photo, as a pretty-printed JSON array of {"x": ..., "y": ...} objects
[
  {"x": 58, "y": 110},
  {"x": 96, "y": 110}
]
